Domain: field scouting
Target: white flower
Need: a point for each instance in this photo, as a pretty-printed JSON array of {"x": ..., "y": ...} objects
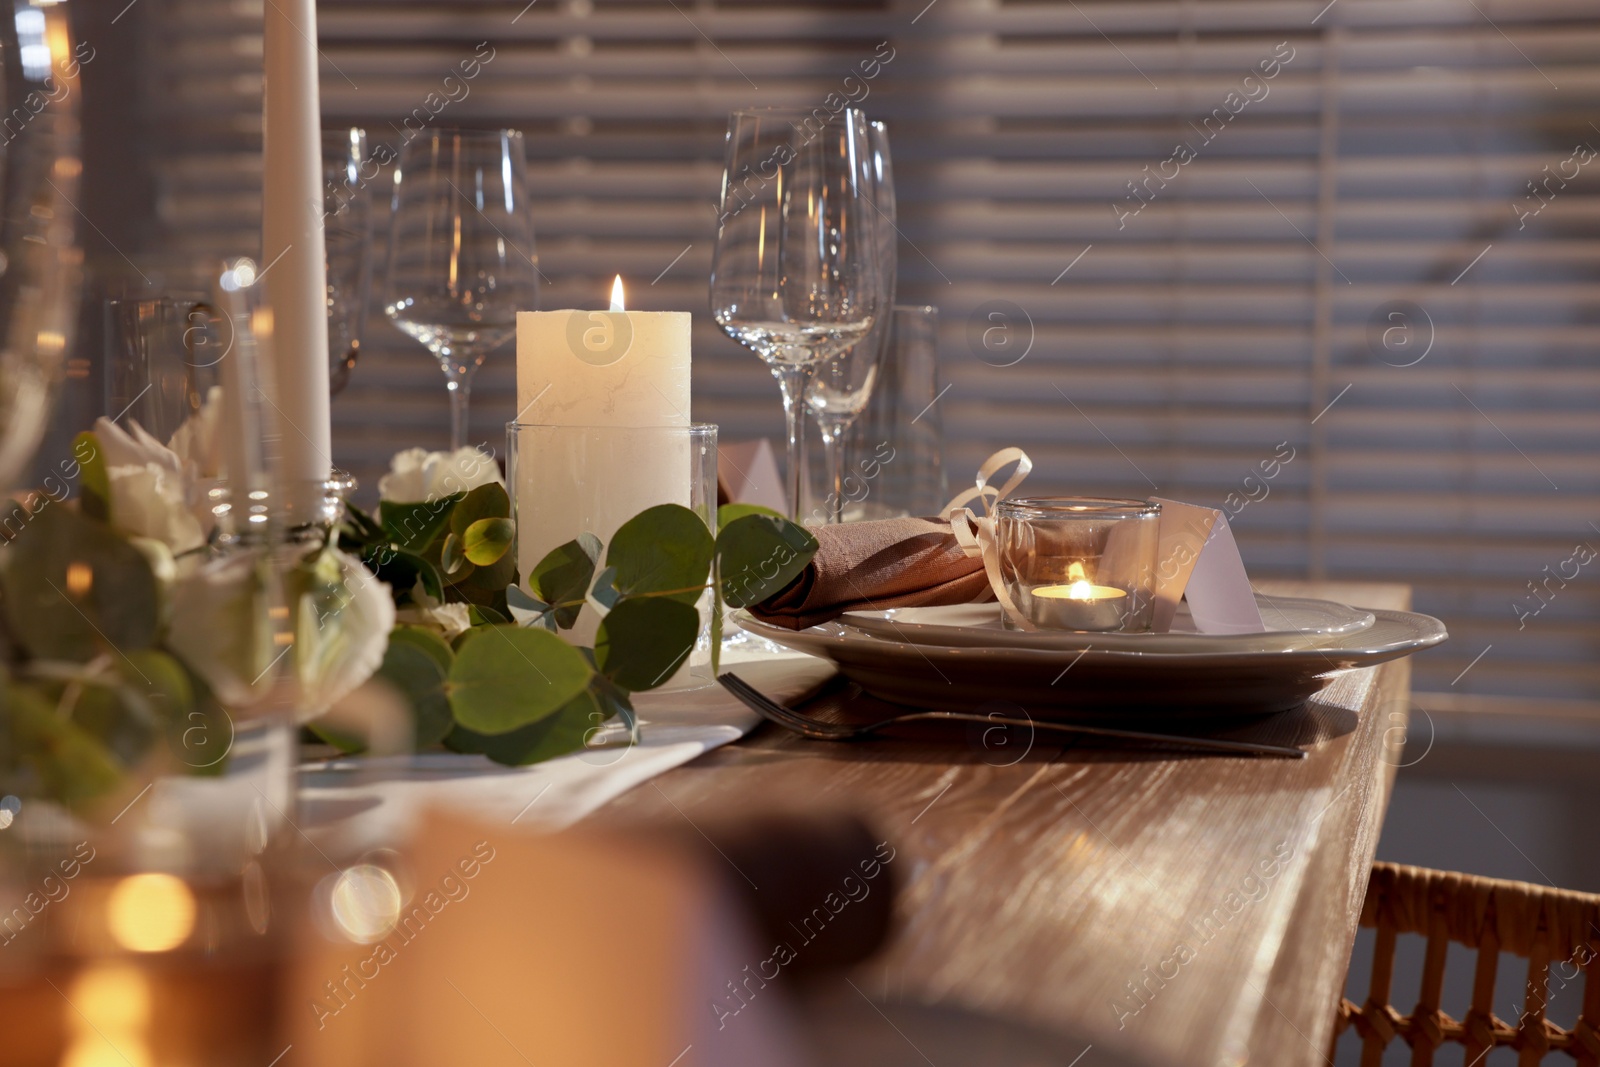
[
  {"x": 448, "y": 620},
  {"x": 342, "y": 623},
  {"x": 220, "y": 627},
  {"x": 418, "y": 476},
  {"x": 193, "y": 461},
  {"x": 149, "y": 500},
  {"x": 133, "y": 447},
  {"x": 196, "y": 444}
]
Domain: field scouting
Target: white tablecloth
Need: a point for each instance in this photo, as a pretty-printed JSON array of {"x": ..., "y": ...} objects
[{"x": 353, "y": 804}]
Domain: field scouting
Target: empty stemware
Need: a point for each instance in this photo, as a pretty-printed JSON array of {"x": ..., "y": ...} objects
[
  {"x": 842, "y": 386},
  {"x": 461, "y": 255},
  {"x": 794, "y": 276},
  {"x": 347, "y": 200}
]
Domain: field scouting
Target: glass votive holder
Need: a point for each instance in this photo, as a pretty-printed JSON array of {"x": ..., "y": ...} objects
[{"x": 1080, "y": 563}]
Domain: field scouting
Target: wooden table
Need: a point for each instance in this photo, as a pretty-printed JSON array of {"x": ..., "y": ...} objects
[{"x": 1198, "y": 910}]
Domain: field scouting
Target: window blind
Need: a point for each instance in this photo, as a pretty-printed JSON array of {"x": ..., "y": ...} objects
[{"x": 1329, "y": 266}]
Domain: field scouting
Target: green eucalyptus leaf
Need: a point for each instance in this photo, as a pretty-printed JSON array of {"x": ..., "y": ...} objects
[
  {"x": 44, "y": 754},
  {"x": 617, "y": 701},
  {"x": 505, "y": 677},
  {"x": 480, "y": 615},
  {"x": 642, "y": 641},
  {"x": 529, "y": 610},
  {"x": 417, "y": 672},
  {"x": 359, "y": 528},
  {"x": 427, "y": 641},
  {"x": 487, "y": 501},
  {"x": 666, "y": 549},
  {"x": 402, "y": 570},
  {"x": 563, "y": 577},
  {"x": 487, "y": 540},
  {"x": 74, "y": 589},
  {"x": 487, "y": 585},
  {"x": 453, "y": 558},
  {"x": 557, "y": 734},
  {"x": 415, "y": 526},
  {"x": 349, "y": 742},
  {"x": 160, "y": 681},
  {"x": 728, "y": 513},
  {"x": 716, "y": 632},
  {"x": 605, "y": 588},
  {"x": 117, "y": 719},
  {"x": 93, "y": 480},
  {"x": 759, "y": 555}
]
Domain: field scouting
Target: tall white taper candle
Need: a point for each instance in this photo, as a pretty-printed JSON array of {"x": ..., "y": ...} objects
[{"x": 293, "y": 257}]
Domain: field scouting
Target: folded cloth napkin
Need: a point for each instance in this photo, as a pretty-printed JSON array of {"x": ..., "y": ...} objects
[{"x": 884, "y": 563}]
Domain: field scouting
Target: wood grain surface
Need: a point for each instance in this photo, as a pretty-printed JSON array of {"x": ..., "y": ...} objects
[{"x": 1195, "y": 909}]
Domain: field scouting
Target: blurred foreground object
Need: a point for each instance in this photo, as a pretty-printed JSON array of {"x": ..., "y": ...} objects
[
  {"x": 498, "y": 948},
  {"x": 40, "y": 259}
]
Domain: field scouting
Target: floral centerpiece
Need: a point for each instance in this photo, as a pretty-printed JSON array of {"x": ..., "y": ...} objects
[{"x": 134, "y": 631}]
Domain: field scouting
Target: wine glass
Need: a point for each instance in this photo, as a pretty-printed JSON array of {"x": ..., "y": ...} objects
[
  {"x": 347, "y": 199},
  {"x": 461, "y": 255},
  {"x": 842, "y": 386},
  {"x": 795, "y": 276}
]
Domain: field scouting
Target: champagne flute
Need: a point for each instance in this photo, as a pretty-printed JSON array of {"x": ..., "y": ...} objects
[
  {"x": 842, "y": 387},
  {"x": 461, "y": 255},
  {"x": 795, "y": 276}
]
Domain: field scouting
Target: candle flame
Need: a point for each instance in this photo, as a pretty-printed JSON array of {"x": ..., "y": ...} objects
[
  {"x": 1081, "y": 588},
  {"x": 616, "y": 295},
  {"x": 1078, "y": 587}
]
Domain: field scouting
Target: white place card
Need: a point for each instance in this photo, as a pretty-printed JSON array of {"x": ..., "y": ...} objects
[
  {"x": 1199, "y": 561},
  {"x": 748, "y": 474}
]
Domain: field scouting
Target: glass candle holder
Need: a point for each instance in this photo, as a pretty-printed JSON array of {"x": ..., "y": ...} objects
[
  {"x": 1080, "y": 563},
  {"x": 569, "y": 480}
]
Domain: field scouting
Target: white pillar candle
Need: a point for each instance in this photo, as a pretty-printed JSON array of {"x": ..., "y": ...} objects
[
  {"x": 603, "y": 368},
  {"x": 293, "y": 260},
  {"x": 590, "y": 372}
]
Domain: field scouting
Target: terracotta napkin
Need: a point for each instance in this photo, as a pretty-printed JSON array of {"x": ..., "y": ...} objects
[{"x": 885, "y": 563}]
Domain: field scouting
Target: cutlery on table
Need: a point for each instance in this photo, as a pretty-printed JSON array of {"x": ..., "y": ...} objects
[{"x": 790, "y": 719}]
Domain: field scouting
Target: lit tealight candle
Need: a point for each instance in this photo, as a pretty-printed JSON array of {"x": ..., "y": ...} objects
[{"x": 1078, "y": 605}]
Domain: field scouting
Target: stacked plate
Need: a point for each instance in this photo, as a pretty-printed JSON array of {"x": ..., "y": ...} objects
[{"x": 961, "y": 658}]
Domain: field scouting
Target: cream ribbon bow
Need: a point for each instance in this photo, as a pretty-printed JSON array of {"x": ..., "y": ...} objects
[{"x": 976, "y": 533}]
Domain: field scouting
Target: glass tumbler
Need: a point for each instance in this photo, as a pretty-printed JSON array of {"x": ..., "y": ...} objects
[
  {"x": 1080, "y": 563},
  {"x": 897, "y": 462},
  {"x": 163, "y": 355}
]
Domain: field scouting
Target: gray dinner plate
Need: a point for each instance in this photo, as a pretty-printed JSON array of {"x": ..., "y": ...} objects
[
  {"x": 1102, "y": 684},
  {"x": 1292, "y": 622}
]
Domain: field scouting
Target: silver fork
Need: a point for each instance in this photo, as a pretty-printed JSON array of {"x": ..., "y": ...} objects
[{"x": 790, "y": 719}]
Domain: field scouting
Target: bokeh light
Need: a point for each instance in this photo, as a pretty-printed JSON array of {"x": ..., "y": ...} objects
[
  {"x": 150, "y": 912},
  {"x": 366, "y": 902}
]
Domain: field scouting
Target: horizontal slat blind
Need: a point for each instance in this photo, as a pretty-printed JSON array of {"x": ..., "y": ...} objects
[{"x": 1388, "y": 161}]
